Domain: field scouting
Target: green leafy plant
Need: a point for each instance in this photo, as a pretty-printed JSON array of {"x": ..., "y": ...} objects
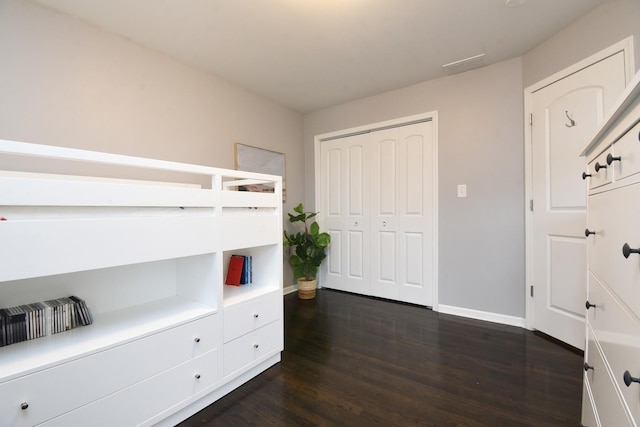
[{"x": 308, "y": 246}]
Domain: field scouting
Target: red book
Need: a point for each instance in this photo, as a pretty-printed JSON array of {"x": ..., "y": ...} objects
[{"x": 234, "y": 273}]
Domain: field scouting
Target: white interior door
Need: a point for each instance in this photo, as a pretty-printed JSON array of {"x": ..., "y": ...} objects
[
  {"x": 378, "y": 196},
  {"x": 402, "y": 214},
  {"x": 345, "y": 216},
  {"x": 565, "y": 115}
]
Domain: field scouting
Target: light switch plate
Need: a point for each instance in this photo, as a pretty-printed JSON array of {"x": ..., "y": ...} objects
[{"x": 462, "y": 190}]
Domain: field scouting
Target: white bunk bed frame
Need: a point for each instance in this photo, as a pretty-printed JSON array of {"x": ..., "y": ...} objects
[{"x": 149, "y": 257}]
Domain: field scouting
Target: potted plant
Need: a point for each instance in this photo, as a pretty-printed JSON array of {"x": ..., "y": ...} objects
[{"x": 307, "y": 251}]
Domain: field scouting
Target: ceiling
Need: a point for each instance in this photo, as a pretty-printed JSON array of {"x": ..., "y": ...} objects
[{"x": 311, "y": 54}]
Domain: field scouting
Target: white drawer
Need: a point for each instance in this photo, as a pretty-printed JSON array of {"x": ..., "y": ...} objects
[
  {"x": 613, "y": 215},
  {"x": 147, "y": 399},
  {"x": 252, "y": 347},
  {"x": 627, "y": 149},
  {"x": 62, "y": 388},
  {"x": 618, "y": 334},
  {"x": 609, "y": 406},
  {"x": 588, "y": 418},
  {"x": 600, "y": 171},
  {"x": 248, "y": 316}
]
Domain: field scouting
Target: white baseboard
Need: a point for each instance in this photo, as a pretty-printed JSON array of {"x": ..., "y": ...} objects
[
  {"x": 289, "y": 290},
  {"x": 482, "y": 315}
]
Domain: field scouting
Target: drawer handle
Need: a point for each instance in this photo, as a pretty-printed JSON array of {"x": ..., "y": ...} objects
[
  {"x": 256, "y": 346},
  {"x": 585, "y": 175},
  {"x": 587, "y": 367},
  {"x": 196, "y": 339},
  {"x": 197, "y": 376},
  {"x": 587, "y": 232},
  {"x": 611, "y": 159},
  {"x": 599, "y": 166},
  {"x": 626, "y": 250},
  {"x": 255, "y": 316},
  {"x": 589, "y": 305},
  {"x": 24, "y": 405},
  {"x": 628, "y": 379}
]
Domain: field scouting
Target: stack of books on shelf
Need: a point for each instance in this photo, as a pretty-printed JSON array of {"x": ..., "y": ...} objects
[
  {"x": 240, "y": 270},
  {"x": 39, "y": 319}
]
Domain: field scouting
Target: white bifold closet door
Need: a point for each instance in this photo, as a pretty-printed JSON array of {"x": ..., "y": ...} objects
[{"x": 377, "y": 203}]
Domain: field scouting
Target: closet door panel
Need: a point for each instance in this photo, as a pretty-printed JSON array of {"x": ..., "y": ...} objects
[
  {"x": 406, "y": 210},
  {"x": 378, "y": 208},
  {"x": 346, "y": 197},
  {"x": 384, "y": 224}
]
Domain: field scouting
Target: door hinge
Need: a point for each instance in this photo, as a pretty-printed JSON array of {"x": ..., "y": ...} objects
[
  {"x": 531, "y": 205},
  {"x": 530, "y": 119},
  {"x": 531, "y": 291}
]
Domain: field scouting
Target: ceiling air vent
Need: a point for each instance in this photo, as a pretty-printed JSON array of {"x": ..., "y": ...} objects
[{"x": 464, "y": 64}]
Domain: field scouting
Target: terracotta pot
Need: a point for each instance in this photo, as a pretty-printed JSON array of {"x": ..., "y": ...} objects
[{"x": 307, "y": 288}]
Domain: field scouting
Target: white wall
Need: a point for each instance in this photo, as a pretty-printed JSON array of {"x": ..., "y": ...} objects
[
  {"x": 66, "y": 83},
  {"x": 481, "y": 237}
]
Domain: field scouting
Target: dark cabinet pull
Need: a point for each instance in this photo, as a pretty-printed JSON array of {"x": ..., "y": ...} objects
[
  {"x": 589, "y": 305},
  {"x": 611, "y": 159},
  {"x": 587, "y": 232},
  {"x": 24, "y": 406},
  {"x": 626, "y": 250},
  {"x": 585, "y": 175},
  {"x": 628, "y": 379},
  {"x": 599, "y": 166},
  {"x": 587, "y": 367}
]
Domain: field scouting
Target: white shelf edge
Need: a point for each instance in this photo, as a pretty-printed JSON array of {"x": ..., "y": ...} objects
[
  {"x": 108, "y": 330},
  {"x": 237, "y": 294}
]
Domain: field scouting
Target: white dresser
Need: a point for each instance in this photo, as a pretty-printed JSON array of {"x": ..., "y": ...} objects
[
  {"x": 611, "y": 393},
  {"x": 149, "y": 256}
]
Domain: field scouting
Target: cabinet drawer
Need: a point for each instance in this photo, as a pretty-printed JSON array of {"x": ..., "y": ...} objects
[
  {"x": 628, "y": 150},
  {"x": 600, "y": 171},
  {"x": 146, "y": 399},
  {"x": 62, "y": 388},
  {"x": 588, "y": 418},
  {"x": 247, "y": 316},
  {"x": 252, "y": 347},
  {"x": 609, "y": 406},
  {"x": 618, "y": 334},
  {"x": 613, "y": 215}
]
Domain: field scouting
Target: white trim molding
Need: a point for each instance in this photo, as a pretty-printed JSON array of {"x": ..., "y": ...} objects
[{"x": 483, "y": 315}]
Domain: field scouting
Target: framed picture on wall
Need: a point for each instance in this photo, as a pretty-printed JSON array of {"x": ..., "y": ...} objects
[{"x": 254, "y": 159}]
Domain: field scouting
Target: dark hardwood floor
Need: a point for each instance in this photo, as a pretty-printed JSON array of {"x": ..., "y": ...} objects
[{"x": 356, "y": 361}]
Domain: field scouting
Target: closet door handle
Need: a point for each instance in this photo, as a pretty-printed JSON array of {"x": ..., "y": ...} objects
[
  {"x": 627, "y": 250},
  {"x": 587, "y": 367},
  {"x": 611, "y": 159},
  {"x": 585, "y": 175},
  {"x": 589, "y": 305},
  {"x": 599, "y": 166},
  {"x": 587, "y": 232},
  {"x": 628, "y": 379}
]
